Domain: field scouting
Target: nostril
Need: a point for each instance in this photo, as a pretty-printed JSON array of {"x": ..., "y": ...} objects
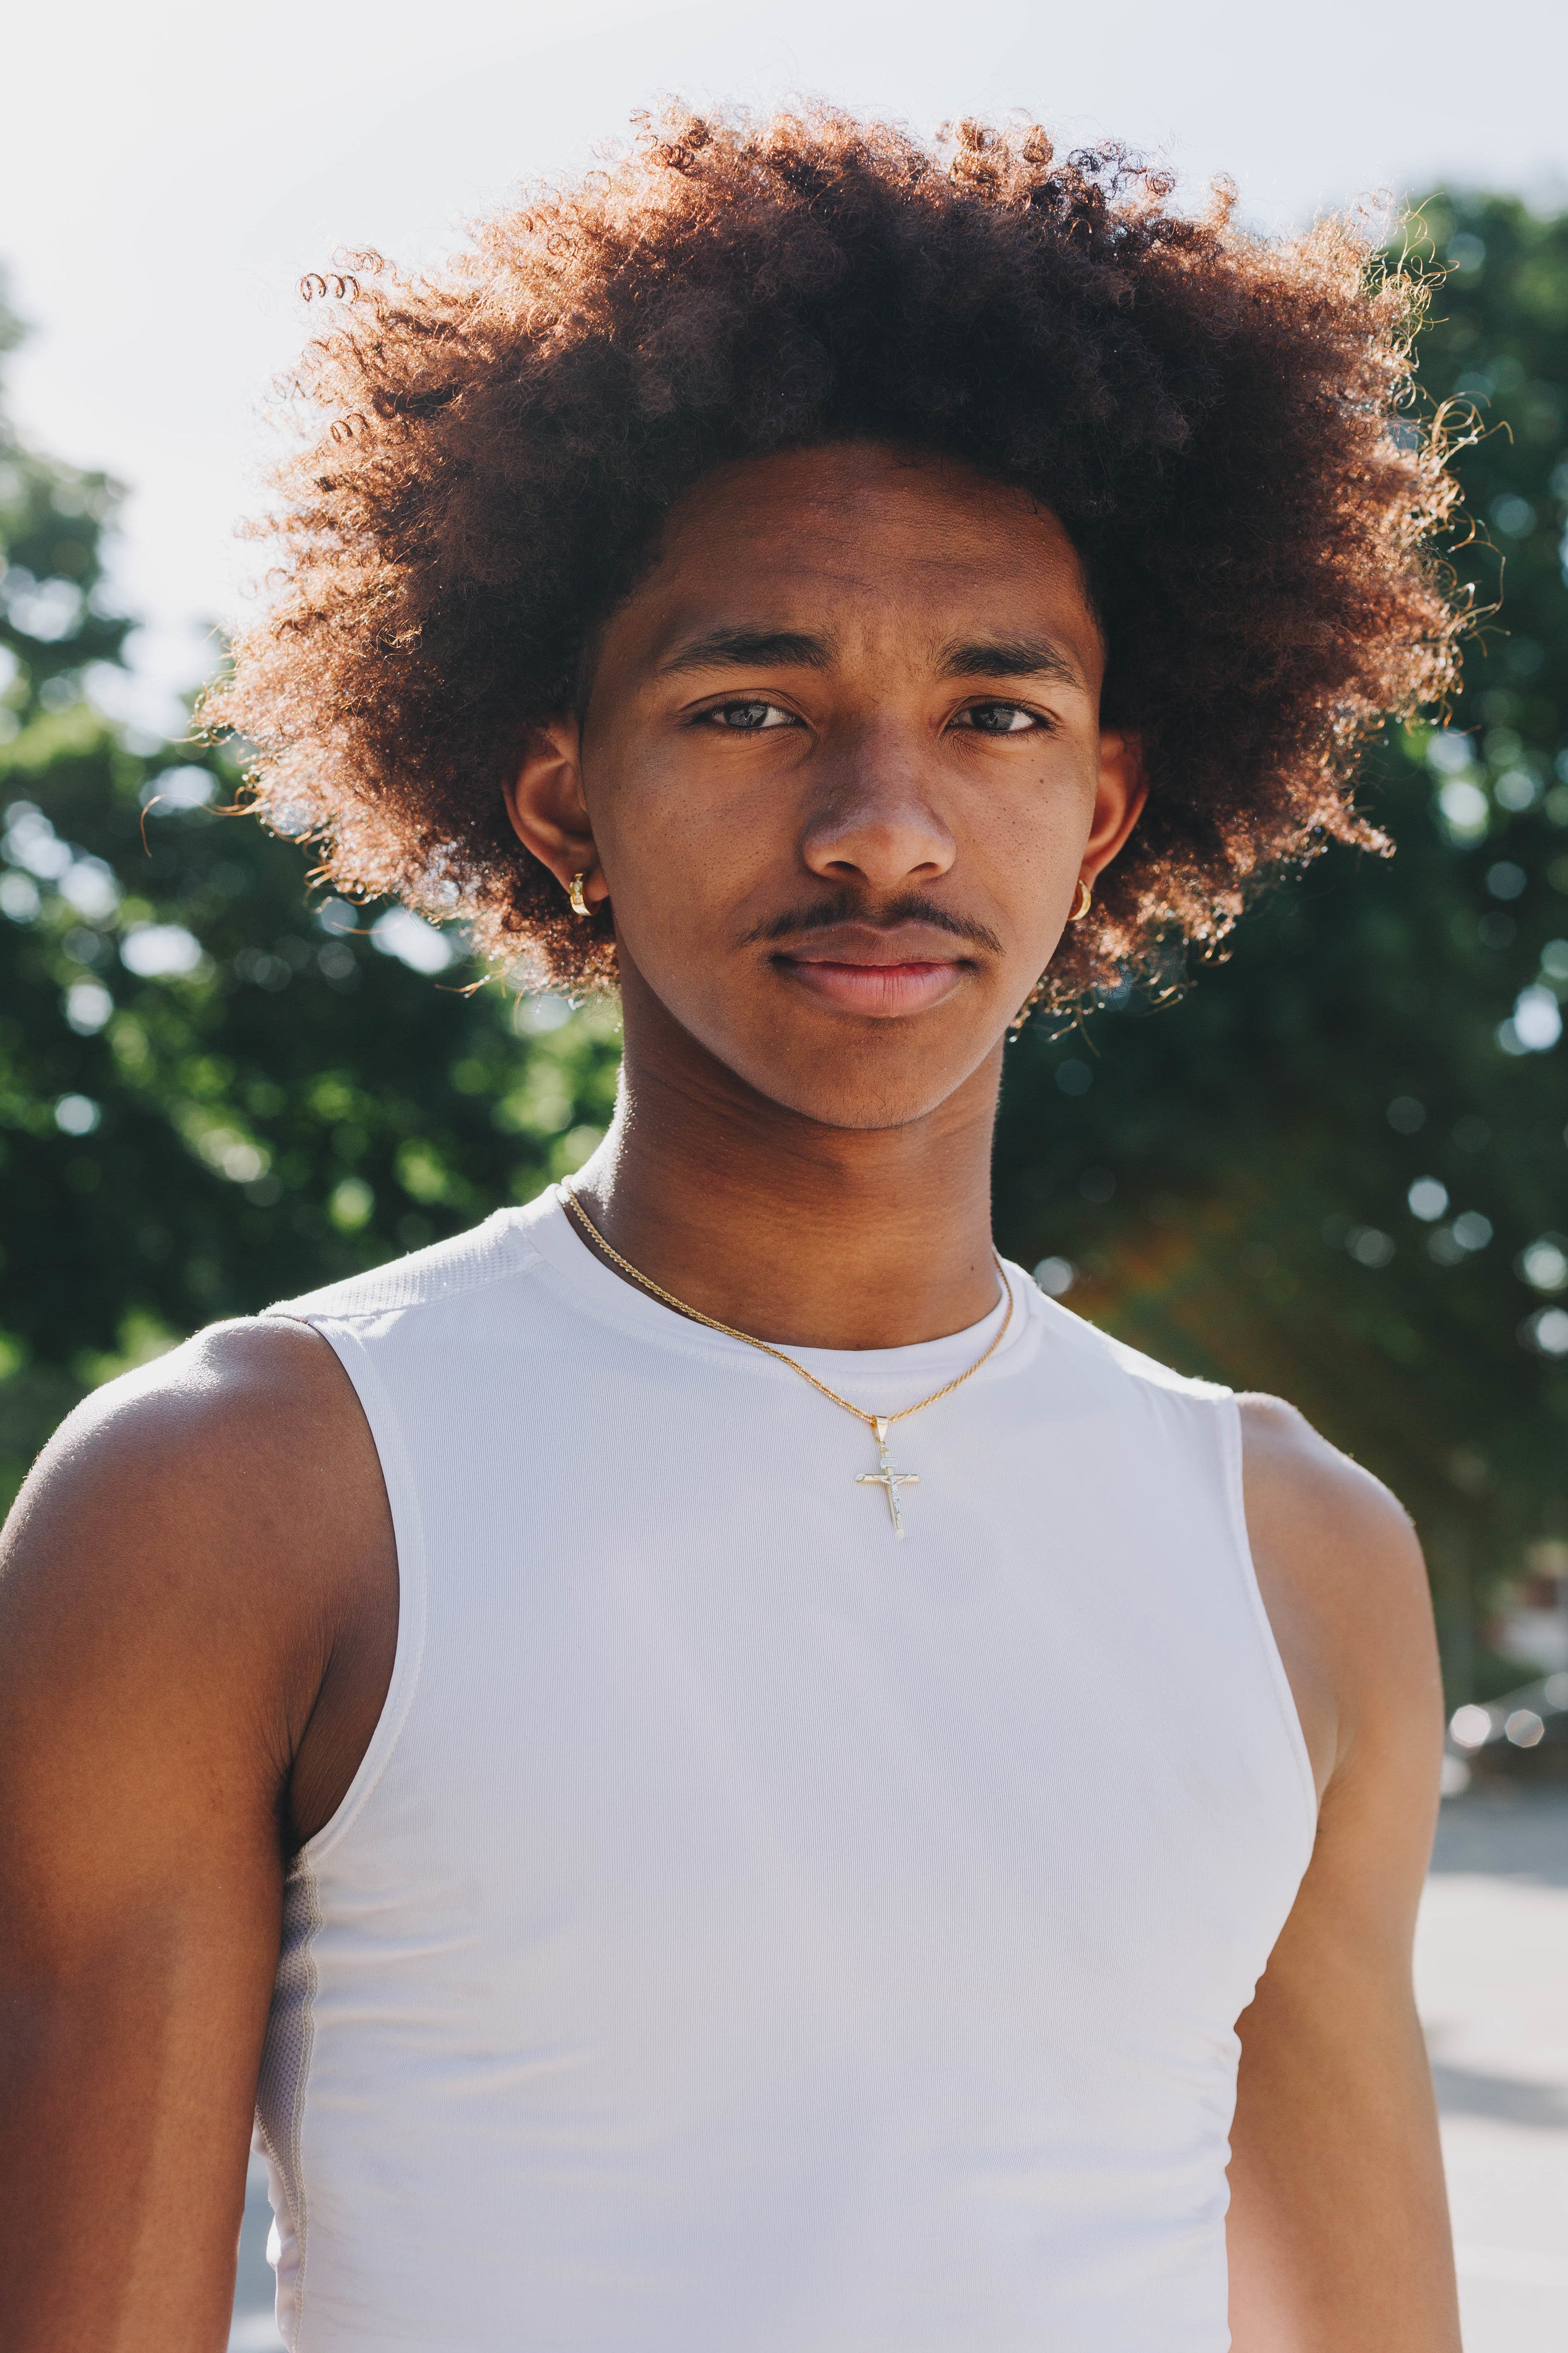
[{"x": 881, "y": 845}]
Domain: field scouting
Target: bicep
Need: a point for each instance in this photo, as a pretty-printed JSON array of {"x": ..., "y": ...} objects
[
  {"x": 1338, "y": 2230},
  {"x": 132, "y": 2022},
  {"x": 1338, "y": 2240},
  {"x": 140, "y": 1900}
]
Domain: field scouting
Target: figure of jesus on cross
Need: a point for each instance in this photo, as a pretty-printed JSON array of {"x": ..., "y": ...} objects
[{"x": 886, "y": 1476}]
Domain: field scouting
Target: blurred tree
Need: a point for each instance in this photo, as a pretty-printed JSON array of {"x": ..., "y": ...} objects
[
  {"x": 212, "y": 1092},
  {"x": 1338, "y": 1169}
]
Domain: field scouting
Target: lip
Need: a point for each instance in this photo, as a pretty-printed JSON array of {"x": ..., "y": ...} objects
[{"x": 882, "y": 973}]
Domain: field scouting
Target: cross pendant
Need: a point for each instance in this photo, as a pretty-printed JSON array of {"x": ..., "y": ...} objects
[{"x": 885, "y": 1477}]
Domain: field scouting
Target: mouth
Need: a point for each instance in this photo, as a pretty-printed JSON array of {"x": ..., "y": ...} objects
[{"x": 882, "y": 973}]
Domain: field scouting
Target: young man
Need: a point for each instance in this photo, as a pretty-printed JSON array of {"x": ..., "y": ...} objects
[{"x": 733, "y": 1772}]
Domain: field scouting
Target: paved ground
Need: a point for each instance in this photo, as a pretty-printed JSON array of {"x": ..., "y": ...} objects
[
  {"x": 1493, "y": 1975},
  {"x": 254, "y": 2330}
]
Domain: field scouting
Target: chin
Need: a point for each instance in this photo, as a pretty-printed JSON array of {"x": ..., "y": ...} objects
[
  {"x": 860, "y": 1083},
  {"x": 856, "y": 1113}
]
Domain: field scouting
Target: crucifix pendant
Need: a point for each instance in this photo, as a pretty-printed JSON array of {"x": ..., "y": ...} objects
[{"x": 885, "y": 1477}]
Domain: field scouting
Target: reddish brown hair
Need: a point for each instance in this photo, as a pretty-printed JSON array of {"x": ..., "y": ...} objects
[{"x": 1219, "y": 421}]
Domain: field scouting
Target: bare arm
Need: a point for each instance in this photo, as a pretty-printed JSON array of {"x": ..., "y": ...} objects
[
  {"x": 189, "y": 1651},
  {"x": 1339, "y": 2232}
]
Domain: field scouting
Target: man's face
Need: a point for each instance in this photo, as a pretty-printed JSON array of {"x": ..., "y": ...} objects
[{"x": 840, "y": 772}]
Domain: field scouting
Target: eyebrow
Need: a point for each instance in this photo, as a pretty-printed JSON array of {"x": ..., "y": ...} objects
[
  {"x": 1009, "y": 657},
  {"x": 742, "y": 648},
  {"x": 798, "y": 650}
]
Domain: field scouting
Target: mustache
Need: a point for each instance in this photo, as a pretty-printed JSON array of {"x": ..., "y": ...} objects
[{"x": 849, "y": 906}]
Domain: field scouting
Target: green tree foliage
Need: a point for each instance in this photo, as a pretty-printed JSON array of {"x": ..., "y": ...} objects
[
  {"x": 1337, "y": 1169},
  {"x": 218, "y": 1087}
]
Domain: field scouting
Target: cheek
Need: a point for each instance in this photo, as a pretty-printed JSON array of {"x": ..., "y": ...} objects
[
  {"x": 1025, "y": 850},
  {"x": 682, "y": 852},
  {"x": 1027, "y": 827}
]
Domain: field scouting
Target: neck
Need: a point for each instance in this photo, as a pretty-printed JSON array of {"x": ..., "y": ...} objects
[{"x": 790, "y": 1231}]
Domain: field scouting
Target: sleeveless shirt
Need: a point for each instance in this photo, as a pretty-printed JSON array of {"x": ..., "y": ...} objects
[{"x": 748, "y": 1932}]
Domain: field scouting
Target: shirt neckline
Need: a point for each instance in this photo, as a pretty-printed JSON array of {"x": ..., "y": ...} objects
[{"x": 879, "y": 1380}]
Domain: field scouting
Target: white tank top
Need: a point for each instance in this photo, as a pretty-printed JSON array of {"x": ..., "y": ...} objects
[{"x": 749, "y": 1933}]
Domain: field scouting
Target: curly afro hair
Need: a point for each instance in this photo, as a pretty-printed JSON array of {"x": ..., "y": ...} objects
[{"x": 1220, "y": 421}]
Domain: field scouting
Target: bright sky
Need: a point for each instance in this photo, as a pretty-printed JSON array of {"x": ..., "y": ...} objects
[{"x": 171, "y": 170}]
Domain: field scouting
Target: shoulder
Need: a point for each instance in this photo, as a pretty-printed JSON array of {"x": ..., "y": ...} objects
[
  {"x": 197, "y": 1525},
  {"x": 1344, "y": 1584},
  {"x": 213, "y": 1419},
  {"x": 1316, "y": 1501}
]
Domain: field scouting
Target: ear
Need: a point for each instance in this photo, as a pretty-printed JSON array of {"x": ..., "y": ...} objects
[
  {"x": 548, "y": 811},
  {"x": 1118, "y": 800}
]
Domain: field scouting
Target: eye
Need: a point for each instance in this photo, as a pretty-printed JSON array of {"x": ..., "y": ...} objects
[
  {"x": 999, "y": 719},
  {"x": 750, "y": 718}
]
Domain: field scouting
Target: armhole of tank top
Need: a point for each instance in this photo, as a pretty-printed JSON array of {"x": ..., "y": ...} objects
[
  {"x": 1235, "y": 1495},
  {"x": 408, "y": 1544}
]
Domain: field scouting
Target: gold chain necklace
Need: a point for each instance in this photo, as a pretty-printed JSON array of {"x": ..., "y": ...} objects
[{"x": 884, "y": 1475}]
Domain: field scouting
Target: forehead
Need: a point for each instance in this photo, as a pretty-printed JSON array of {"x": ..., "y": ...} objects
[{"x": 861, "y": 544}]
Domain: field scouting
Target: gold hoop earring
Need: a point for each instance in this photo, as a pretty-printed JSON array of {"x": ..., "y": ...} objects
[
  {"x": 578, "y": 904},
  {"x": 1082, "y": 900}
]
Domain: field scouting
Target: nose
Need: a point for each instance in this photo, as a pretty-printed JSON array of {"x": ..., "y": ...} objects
[{"x": 875, "y": 822}]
